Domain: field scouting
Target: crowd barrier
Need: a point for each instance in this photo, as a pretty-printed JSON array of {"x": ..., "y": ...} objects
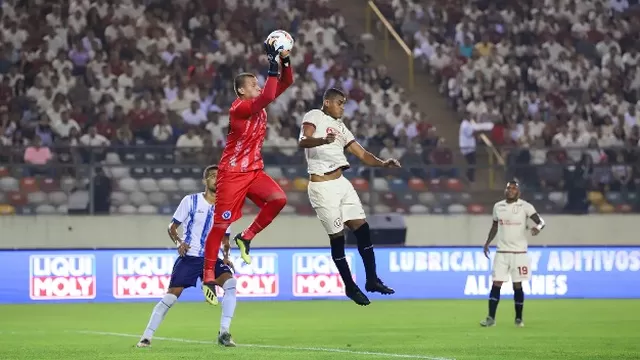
[{"x": 297, "y": 274}]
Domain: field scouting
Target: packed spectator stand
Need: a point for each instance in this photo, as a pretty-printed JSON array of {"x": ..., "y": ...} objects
[
  {"x": 115, "y": 106},
  {"x": 558, "y": 78}
]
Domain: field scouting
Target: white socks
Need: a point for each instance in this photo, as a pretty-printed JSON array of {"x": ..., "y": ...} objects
[
  {"x": 228, "y": 304},
  {"x": 159, "y": 313}
]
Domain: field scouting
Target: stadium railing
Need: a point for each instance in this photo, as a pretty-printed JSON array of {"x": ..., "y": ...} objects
[
  {"x": 372, "y": 9},
  {"x": 493, "y": 154}
]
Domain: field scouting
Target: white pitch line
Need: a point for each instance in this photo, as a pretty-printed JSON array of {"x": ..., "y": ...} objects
[{"x": 280, "y": 347}]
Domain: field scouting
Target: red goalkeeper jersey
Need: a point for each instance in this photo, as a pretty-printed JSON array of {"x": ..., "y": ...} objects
[{"x": 248, "y": 126}]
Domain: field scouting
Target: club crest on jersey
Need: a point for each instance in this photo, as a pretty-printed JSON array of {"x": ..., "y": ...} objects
[
  {"x": 332, "y": 131},
  {"x": 226, "y": 215}
]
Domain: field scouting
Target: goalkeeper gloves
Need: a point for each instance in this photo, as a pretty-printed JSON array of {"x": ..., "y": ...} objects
[{"x": 272, "y": 56}]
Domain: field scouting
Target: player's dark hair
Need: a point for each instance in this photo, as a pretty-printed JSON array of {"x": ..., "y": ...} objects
[
  {"x": 205, "y": 173},
  {"x": 513, "y": 182},
  {"x": 333, "y": 93},
  {"x": 239, "y": 80}
]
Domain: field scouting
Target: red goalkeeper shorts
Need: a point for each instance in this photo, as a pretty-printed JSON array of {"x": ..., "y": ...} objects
[{"x": 232, "y": 188}]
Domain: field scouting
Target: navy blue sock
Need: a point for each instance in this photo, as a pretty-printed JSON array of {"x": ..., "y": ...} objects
[
  {"x": 365, "y": 248},
  {"x": 494, "y": 299},
  {"x": 518, "y": 298},
  {"x": 340, "y": 259}
]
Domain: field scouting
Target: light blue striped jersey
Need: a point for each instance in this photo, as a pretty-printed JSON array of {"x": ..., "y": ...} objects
[{"x": 196, "y": 216}]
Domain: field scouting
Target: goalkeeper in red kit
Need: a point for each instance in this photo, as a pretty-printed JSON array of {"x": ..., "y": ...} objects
[{"x": 240, "y": 171}]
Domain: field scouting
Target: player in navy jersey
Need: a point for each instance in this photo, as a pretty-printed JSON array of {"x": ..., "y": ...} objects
[{"x": 195, "y": 214}]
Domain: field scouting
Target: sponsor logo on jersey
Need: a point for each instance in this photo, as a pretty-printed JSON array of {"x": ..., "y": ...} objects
[
  {"x": 260, "y": 279},
  {"x": 317, "y": 275},
  {"x": 55, "y": 277},
  {"x": 137, "y": 276}
]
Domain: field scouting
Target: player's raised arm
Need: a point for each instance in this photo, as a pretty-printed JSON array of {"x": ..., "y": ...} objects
[
  {"x": 367, "y": 157},
  {"x": 286, "y": 78},
  {"x": 309, "y": 124},
  {"x": 248, "y": 90}
]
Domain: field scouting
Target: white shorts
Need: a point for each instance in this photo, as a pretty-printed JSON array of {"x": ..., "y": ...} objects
[
  {"x": 514, "y": 265},
  {"x": 335, "y": 201}
]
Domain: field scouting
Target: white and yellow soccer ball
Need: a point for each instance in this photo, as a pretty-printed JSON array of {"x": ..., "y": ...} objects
[{"x": 283, "y": 40}]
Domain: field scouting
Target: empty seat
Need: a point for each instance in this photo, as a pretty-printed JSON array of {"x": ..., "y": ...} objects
[
  {"x": 127, "y": 209},
  {"x": 37, "y": 198},
  {"x": 427, "y": 198},
  {"x": 45, "y": 209},
  {"x": 148, "y": 185},
  {"x": 57, "y": 198},
  {"x": 6, "y": 209},
  {"x": 188, "y": 185},
  {"x": 138, "y": 198},
  {"x": 29, "y": 184},
  {"x": 78, "y": 200},
  {"x": 147, "y": 210},
  {"x": 128, "y": 185},
  {"x": 67, "y": 184},
  {"x": 49, "y": 184},
  {"x": 8, "y": 184},
  {"x": 457, "y": 209},
  {"x": 62, "y": 209},
  {"x": 117, "y": 172},
  {"x": 119, "y": 198},
  {"x": 112, "y": 159},
  {"x": 158, "y": 199},
  {"x": 418, "y": 209},
  {"x": 168, "y": 184}
]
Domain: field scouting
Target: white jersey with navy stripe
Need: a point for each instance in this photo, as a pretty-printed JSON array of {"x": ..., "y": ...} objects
[{"x": 196, "y": 216}]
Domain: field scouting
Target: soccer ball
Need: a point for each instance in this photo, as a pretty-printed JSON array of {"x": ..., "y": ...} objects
[{"x": 283, "y": 40}]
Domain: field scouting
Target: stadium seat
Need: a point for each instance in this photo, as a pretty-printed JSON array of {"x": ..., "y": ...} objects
[
  {"x": 147, "y": 210},
  {"x": 614, "y": 198},
  {"x": 58, "y": 198},
  {"x": 389, "y": 199},
  {"x": 360, "y": 184},
  {"x": 274, "y": 171},
  {"x": 596, "y": 198},
  {"x": 438, "y": 210},
  {"x": 407, "y": 198},
  {"x": 112, "y": 159},
  {"x": 457, "y": 209},
  {"x": 62, "y": 210},
  {"x": 148, "y": 185},
  {"x": 381, "y": 209},
  {"x": 119, "y": 198},
  {"x": 8, "y": 184},
  {"x": 418, "y": 209},
  {"x": 46, "y": 209},
  {"x": 300, "y": 184},
  {"x": 127, "y": 210},
  {"x": 455, "y": 185},
  {"x": 188, "y": 185},
  {"x": 558, "y": 198},
  {"x": 49, "y": 184},
  {"x": 117, "y": 172},
  {"x": 128, "y": 185},
  {"x": 606, "y": 208},
  {"x": 17, "y": 199},
  {"x": 25, "y": 210},
  {"x": 476, "y": 209},
  {"x": 4, "y": 171},
  {"x": 427, "y": 198},
  {"x": 417, "y": 184},
  {"x": 284, "y": 183},
  {"x": 380, "y": 184},
  {"x": 158, "y": 198},
  {"x": 288, "y": 210},
  {"x": 78, "y": 200},
  {"x": 139, "y": 172},
  {"x": 444, "y": 199},
  {"x": 37, "y": 198},
  {"x": 398, "y": 185},
  {"x": 624, "y": 208},
  {"x": 138, "y": 198},
  {"x": 6, "y": 209},
  {"x": 168, "y": 185},
  {"x": 462, "y": 197},
  {"x": 435, "y": 185},
  {"x": 67, "y": 184}
]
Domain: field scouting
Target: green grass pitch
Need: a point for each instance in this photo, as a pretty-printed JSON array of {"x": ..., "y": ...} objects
[{"x": 443, "y": 330}]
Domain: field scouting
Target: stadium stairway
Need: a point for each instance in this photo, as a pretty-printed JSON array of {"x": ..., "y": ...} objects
[{"x": 425, "y": 93}]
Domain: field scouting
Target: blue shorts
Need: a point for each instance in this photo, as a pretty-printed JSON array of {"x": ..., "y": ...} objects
[{"x": 188, "y": 269}]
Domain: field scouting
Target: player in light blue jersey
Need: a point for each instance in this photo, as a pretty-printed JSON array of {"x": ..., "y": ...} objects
[{"x": 195, "y": 214}]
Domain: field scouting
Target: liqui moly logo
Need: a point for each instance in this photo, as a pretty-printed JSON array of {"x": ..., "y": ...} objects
[
  {"x": 141, "y": 276},
  {"x": 57, "y": 277},
  {"x": 317, "y": 275},
  {"x": 260, "y": 279}
]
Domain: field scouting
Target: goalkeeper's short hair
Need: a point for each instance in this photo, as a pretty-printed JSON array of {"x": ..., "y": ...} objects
[{"x": 239, "y": 81}]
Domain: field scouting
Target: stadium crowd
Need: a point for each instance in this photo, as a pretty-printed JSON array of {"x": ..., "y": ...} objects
[
  {"x": 558, "y": 78},
  {"x": 109, "y": 81}
]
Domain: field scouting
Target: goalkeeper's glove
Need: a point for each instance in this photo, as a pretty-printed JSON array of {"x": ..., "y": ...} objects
[
  {"x": 286, "y": 62},
  {"x": 272, "y": 56}
]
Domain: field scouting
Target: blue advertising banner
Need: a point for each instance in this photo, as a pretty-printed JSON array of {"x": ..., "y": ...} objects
[{"x": 296, "y": 274}]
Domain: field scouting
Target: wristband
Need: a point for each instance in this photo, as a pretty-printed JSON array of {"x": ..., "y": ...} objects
[{"x": 273, "y": 68}]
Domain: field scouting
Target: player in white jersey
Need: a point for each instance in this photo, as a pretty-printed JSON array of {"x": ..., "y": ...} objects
[
  {"x": 511, "y": 260},
  {"x": 195, "y": 214},
  {"x": 325, "y": 139}
]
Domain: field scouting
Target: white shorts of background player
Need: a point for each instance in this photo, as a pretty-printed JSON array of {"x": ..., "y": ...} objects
[
  {"x": 335, "y": 202},
  {"x": 514, "y": 265}
]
